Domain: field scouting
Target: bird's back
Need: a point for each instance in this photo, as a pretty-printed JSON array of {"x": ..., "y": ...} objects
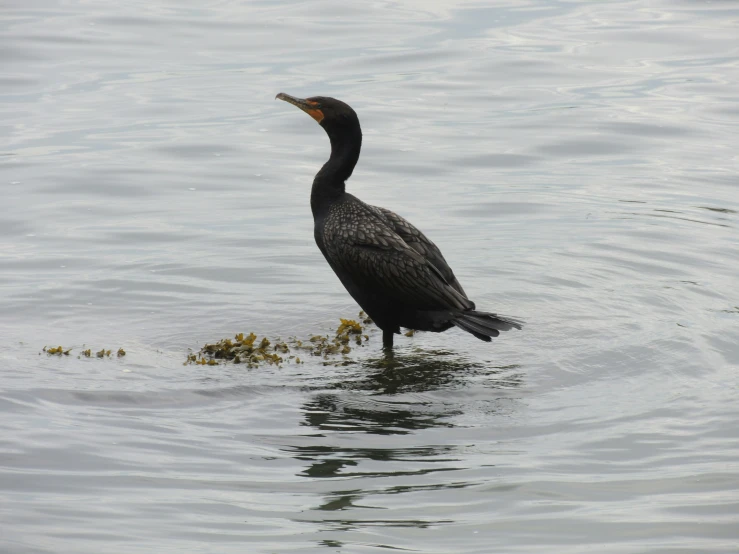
[
  {"x": 391, "y": 278},
  {"x": 419, "y": 242}
]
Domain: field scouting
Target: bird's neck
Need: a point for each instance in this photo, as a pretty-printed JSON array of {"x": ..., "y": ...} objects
[{"x": 329, "y": 184}]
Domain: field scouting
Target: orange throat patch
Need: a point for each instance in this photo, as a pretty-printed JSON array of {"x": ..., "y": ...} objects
[{"x": 315, "y": 113}]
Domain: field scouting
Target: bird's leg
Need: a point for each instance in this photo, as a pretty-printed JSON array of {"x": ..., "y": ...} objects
[{"x": 387, "y": 339}]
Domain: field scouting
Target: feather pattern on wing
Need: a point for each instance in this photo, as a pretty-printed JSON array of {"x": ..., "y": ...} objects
[
  {"x": 421, "y": 244},
  {"x": 364, "y": 242}
]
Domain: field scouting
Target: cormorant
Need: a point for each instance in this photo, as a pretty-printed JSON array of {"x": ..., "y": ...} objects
[{"x": 396, "y": 274}]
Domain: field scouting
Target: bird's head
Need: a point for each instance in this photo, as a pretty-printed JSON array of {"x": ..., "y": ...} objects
[{"x": 336, "y": 117}]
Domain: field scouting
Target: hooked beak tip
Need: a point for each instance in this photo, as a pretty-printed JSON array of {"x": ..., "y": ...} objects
[{"x": 308, "y": 106}]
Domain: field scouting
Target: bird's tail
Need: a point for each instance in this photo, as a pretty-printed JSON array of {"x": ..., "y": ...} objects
[{"x": 485, "y": 325}]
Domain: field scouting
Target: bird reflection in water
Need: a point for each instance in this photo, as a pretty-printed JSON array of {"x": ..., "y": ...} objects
[
  {"x": 425, "y": 370},
  {"x": 368, "y": 430},
  {"x": 401, "y": 402}
]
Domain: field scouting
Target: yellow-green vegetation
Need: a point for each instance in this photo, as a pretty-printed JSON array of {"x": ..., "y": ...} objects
[
  {"x": 57, "y": 350},
  {"x": 246, "y": 349},
  {"x": 325, "y": 346},
  {"x": 349, "y": 327},
  {"x": 87, "y": 353},
  {"x": 241, "y": 349},
  {"x": 194, "y": 359}
]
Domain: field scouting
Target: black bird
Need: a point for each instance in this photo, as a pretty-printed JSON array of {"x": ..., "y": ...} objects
[{"x": 391, "y": 269}]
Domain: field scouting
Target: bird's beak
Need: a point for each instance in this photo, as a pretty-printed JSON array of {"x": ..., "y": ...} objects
[{"x": 308, "y": 106}]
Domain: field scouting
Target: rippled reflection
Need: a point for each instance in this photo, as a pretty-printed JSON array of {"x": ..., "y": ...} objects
[
  {"x": 425, "y": 370},
  {"x": 364, "y": 424},
  {"x": 389, "y": 400}
]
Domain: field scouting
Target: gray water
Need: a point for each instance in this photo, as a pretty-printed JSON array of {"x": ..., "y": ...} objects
[{"x": 575, "y": 161}]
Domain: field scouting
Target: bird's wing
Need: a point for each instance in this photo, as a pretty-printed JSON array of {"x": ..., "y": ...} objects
[
  {"x": 376, "y": 258},
  {"x": 421, "y": 244}
]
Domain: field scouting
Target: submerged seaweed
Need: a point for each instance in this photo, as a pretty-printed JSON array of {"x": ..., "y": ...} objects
[
  {"x": 87, "y": 353},
  {"x": 57, "y": 350},
  {"x": 244, "y": 349}
]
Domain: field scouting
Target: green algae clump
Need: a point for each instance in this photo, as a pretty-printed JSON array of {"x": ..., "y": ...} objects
[
  {"x": 325, "y": 346},
  {"x": 242, "y": 349},
  {"x": 246, "y": 349},
  {"x": 348, "y": 327},
  {"x": 57, "y": 350}
]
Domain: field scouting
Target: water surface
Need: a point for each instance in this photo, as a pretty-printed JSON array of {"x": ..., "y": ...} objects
[{"x": 576, "y": 163}]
